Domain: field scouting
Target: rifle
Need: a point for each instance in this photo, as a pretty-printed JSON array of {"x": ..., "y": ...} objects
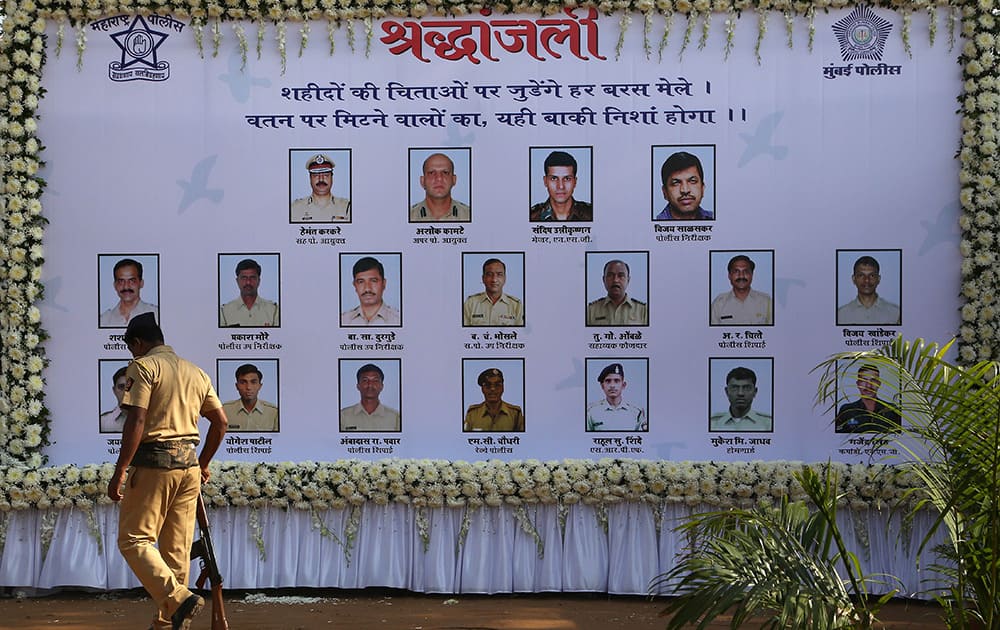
[{"x": 203, "y": 549}]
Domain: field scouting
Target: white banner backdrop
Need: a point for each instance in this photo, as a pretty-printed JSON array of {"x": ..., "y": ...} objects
[{"x": 189, "y": 162}]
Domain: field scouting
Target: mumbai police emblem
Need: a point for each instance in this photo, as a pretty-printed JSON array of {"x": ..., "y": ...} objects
[
  {"x": 139, "y": 43},
  {"x": 862, "y": 34}
]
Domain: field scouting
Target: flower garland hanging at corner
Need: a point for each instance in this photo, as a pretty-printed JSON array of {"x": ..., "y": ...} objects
[{"x": 24, "y": 418}]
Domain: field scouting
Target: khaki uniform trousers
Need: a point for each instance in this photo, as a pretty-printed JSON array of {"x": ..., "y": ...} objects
[{"x": 160, "y": 506}]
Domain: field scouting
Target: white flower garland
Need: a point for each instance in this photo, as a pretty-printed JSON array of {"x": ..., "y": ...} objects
[{"x": 348, "y": 484}]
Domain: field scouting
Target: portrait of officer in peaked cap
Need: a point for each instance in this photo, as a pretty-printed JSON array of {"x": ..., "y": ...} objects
[
  {"x": 497, "y": 390},
  {"x": 320, "y": 184}
]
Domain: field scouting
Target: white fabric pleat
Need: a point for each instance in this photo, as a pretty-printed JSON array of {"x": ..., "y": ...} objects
[
  {"x": 632, "y": 551},
  {"x": 437, "y": 569},
  {"x": 71, "y": 538},
  {"x": 487, "y": 562},
  {"x": 585, "y": 561},
  {"x": 498, "y": 555}
]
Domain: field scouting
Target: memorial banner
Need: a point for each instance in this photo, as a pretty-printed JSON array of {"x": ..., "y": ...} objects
[{"x": 499, "y": 236}]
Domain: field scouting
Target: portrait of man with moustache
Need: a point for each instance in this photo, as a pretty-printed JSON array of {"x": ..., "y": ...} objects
[{"x": 128, "y": 284}]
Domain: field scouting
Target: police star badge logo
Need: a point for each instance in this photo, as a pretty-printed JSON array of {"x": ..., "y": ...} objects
[
  {"x": 139, "y": 43},
  {"x": 862, "y": 34}
]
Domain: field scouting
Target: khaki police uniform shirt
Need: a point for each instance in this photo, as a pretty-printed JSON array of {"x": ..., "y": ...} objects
[
  {"x": 385, "y": 316},
  {"x": 480, "y": 310},
  {"x": 603, "y": 416},
  {"x": 459, "y": 212},
  {"x": 881, "y": 313},
  {"x": 630, "y": 312},
  {"x": 263, "y": 416},
  {"x": 751, "y": 421},
  {"x": 112, "y": 317},
  {"x": 262, "y": 313},
  {"x": 335, "y": 209},
  {"x": 509, "y": 418},
  {"x": 729, "y": 309},
  {"x": 355, "y": 418},
  {"x": 173, "y": 391}
]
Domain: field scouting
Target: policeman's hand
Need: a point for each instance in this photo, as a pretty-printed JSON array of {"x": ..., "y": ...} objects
[
  {"x": 205, "y": 474},
  {"x": 115, "y": 485}
]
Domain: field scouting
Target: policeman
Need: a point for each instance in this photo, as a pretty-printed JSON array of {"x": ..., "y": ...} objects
[
  {"x": 741, "y": 389},
  {"x": 613, "y": 413},
  {"x": 164, "y": 397},
  {"x": 321, "y": 206},
  {"x": 248, "y": 412},
  {"x": 493, "y": 414},
  {"x": 249, "y": 309},
  {"x": 617, "y": 308},
  {"x": 493, "y": 307},
  {"x": 437, "y": 181}
]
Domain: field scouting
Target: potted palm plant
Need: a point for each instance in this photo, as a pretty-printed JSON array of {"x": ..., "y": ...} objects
[{"x": 944, "y": 421}]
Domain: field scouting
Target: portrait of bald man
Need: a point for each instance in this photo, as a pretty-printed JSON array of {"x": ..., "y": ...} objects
[{"x": 444, "y": 186}]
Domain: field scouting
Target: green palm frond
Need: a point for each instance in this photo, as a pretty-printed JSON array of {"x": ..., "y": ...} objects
[
  {"x": 951, "y": 443},
  {"x": 776, "y": 563}
]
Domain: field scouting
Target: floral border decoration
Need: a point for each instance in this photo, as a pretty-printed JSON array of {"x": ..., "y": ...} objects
[
  {"x": 444, "y": 483},
  {"x": 317, "y": 487},
  {"x": 24, "y": 418}
]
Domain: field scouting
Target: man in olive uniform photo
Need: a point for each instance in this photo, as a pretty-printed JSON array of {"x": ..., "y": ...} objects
[
  {"x": 613, "y": 412},
  {"x": 369, "y": 414},
  {"x": 493, "y": 307},
  {"x": 249, "y": 309},
  {"x": 617, "y": 308},
  {"x": 321, "y": 206},
  {"x": 248, "y": 412},
  {"x": 741, "y": 389},
  {"x": 164, "y": 396},
  {"x": 493, "y": 414},
  {"x": 560, "y": 183},
  {"x": 437, "y": 180}
]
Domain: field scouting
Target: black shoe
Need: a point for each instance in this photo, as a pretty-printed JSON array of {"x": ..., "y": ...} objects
[{"x": 182, "y": 617}]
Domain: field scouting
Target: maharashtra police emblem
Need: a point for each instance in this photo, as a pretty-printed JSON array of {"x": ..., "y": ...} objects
[
  {"x": 862, "y": 34},
  {"x": 139, "y": 45}
]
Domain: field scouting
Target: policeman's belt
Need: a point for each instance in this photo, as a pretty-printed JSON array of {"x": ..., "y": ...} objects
[{"x": 170, "y": 455}]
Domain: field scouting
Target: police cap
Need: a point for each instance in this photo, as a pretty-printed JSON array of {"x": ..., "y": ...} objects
[
  {"x": 320, "y": 163},
  {"x": 614, "y": 368},
  {"x": 487, "y": 373}
]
